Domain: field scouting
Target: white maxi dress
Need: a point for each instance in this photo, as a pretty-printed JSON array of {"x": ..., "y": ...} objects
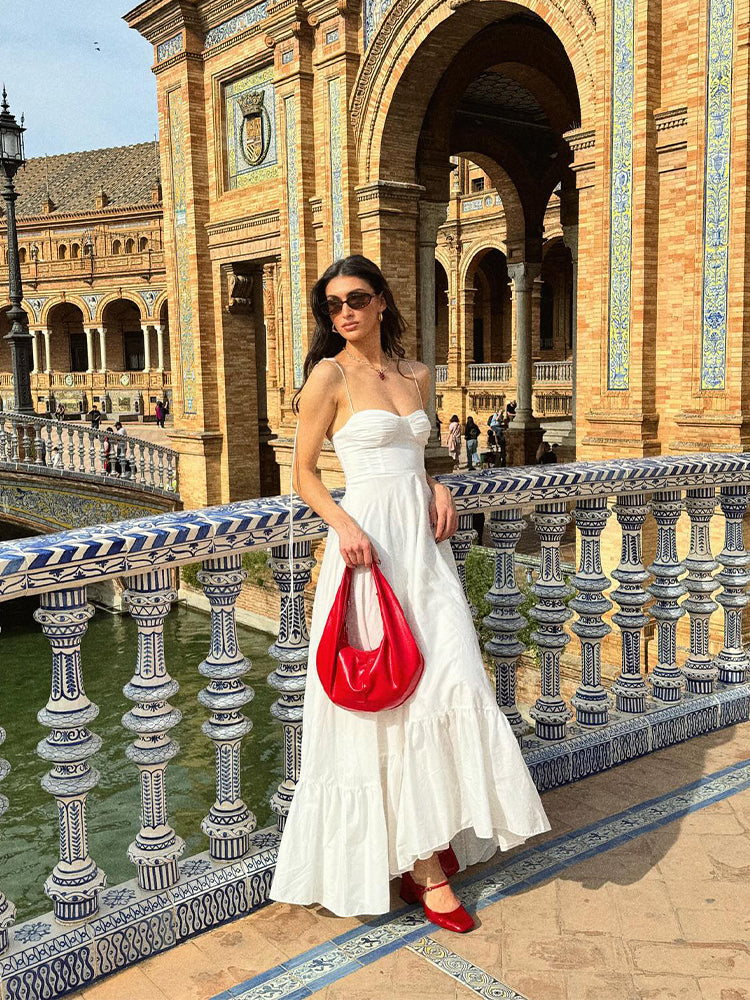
[{"x": 378, "y": 790}]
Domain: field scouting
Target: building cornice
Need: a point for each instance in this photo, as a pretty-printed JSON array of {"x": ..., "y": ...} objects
[{"x": 52, "y": 219}]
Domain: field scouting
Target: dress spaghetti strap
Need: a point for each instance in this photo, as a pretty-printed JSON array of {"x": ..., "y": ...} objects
[
  {"x": 335, "y": 362},
  {"x": 421, "y": 401}
]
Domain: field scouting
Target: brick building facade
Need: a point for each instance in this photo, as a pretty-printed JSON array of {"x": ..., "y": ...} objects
[
  {"x": 92, "y": 265},
  {"x": 612, "y": 138}
]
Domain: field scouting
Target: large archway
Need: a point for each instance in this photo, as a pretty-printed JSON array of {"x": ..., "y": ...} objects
[{"x": 497, "y": 84}]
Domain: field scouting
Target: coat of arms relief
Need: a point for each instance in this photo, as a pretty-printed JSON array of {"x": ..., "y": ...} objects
[{"x": 255, "y": 136}]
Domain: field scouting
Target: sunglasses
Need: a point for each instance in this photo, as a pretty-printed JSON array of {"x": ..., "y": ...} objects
[{"x": 355, "y": 300}]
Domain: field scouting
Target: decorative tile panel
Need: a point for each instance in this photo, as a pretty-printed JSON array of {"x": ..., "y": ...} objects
[
  {"x": 181, "y": 240},
  {"x": 621, "y": 193},
  {"x": 92, "y": 301},
  {"x": 170, "y": 48},
  {"x": 37, "y": 304},
  {"x": 337, "y": 189},
  {"x": 375, "y": 11},
  {"x": 236, "y": 24},
  {"x": 250, "y": 116},
  {"x": 716, "y": 194},
  {"x": 149, "y": 296},
  {"x": 295, "y": 265}
]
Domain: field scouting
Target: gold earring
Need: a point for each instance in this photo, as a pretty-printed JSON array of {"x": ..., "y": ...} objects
[{"x": 380, "y": 317}]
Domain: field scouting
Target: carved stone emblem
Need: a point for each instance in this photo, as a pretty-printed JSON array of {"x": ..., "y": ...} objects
[{"x": 256, "y": 127}]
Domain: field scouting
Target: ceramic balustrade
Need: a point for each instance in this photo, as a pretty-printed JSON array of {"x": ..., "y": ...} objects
[
  {"x": 59, "y": 447},
  {"x": 561, "y": 740}
]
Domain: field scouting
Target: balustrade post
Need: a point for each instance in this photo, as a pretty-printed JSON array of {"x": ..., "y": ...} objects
[
  {"x": 39, "y": 454},
  {"x": 71, "y": 446},
  {"x": 666, "y": 678},
  {"x": 504, "y": 620},
  {"x": 461, "y": 543},
  {"x": 733, "y": 661},
  {"x": 130, "y": 459},
  {"x": 290, "y": 649},
  {"x": 700, "y": 670},
  {"x": 229, "y": 822},
  {"x": 630, "y": 688},
  {"x": 92, "y": 449},
  {"x": 81, "y": 451},
  {"x": 151, "y": 477},
  {"x": 76, "y": 881},
  {"x": 550, "y": 713},
  {"x": 7, "y": 909},
  {"x": 591, "y": 701},
  {"x": 156, "y": 848}
]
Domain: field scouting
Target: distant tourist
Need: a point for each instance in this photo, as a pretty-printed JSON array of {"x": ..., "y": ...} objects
[
  {"x": 95, "y": 417},
  {"x": 510, "y": 409},
  {"x": 56, "y": 461},
  {"x": 106, "y": 455},
  {"x": 471, "y": 433},
  {"x": 545, "y": 454},
  {"x": 454, "y": 441},
  {"x": 159, "y": 412},
  {"x": 60, "y": 411},
  {"x": 121, "y": 465},
  {"x": 439, "y": 428}
]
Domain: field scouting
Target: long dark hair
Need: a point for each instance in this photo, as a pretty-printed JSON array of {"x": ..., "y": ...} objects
[{"x": 326, "y": 341}]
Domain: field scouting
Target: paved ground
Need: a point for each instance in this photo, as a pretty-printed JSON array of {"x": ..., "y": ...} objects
[{"x": 653, "y": 904}]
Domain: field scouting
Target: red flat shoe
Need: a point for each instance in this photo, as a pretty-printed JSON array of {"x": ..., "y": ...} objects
[
  {"x": 457, "y": 920},
  {"x": 448, "y": 861}
]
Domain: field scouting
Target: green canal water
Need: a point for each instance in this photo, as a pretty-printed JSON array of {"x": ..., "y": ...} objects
[{"x": 29, "y": 841}]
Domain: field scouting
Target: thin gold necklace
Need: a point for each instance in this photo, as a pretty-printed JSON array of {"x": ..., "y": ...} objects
[{"x": 380, "y": 371}]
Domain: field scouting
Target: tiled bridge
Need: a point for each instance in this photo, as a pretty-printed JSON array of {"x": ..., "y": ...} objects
[
  {"x": 93, "y": 931},
  {"x": 61, "y": 474}
]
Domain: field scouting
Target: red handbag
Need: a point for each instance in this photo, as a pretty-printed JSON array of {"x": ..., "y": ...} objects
[
  {"x": 369, "y": 680},
  {"x": 365, "y": 680}
]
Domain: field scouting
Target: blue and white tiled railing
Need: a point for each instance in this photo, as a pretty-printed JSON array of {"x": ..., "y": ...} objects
[
  {"x": 92, "y": 930},
  {"x": 60, "y": 448}
]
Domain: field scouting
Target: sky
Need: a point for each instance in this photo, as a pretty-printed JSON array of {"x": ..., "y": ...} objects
[{"x": 79, "y": 73}]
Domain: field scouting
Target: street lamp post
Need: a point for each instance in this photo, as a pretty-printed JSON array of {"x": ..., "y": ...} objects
[{"x": 11, "y": 158}]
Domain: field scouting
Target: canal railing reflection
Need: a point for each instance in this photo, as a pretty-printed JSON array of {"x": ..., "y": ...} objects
[{"x": 92, "y": 931}]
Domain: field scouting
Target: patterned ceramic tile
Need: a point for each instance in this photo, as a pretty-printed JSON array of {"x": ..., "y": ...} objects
[
  {"x": 236, "y": 24},
  {"x": 482, "y": 983},
  {"x": 292, "y": 203},
  {"x": 717, "y": 167},
  {"x": 337, "y": 189},
  {"x": 169, "y": 48},
  {"x": 182, "y": 250},
  {"x": 621, "y": 192}
]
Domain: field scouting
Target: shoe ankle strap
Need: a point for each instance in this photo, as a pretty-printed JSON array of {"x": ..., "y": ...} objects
[{"x": 438, "y": 885}]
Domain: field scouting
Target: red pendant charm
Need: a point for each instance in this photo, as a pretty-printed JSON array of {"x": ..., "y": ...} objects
[{"x": 381, "y": 373}]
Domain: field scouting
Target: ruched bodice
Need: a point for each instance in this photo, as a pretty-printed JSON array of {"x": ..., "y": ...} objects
[{"x": 381, "y": 443}]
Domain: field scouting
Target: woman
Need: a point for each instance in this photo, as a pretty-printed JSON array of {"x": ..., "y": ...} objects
[
  {"x": 471, "y": 433},
  {"x": 440, "y": 780},
  {"x": 454, "y": 440}
]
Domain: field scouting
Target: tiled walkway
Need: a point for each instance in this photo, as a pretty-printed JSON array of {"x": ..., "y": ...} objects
[{"x": 641, "y": 891}]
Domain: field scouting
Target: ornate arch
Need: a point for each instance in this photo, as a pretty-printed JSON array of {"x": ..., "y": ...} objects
[
  {"x": 156, "y": 309},
  {"x": 473, "y": 254},
  {"x": 125, "y": 297},
  {"x": 63, "y": 300},
  {"x": 408, "y": 25}
]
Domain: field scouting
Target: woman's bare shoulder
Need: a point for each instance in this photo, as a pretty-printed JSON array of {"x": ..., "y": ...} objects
[{"x": 323, "y": 382}]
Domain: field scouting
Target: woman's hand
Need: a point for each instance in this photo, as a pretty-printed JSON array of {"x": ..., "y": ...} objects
[
  {"x": 443, "y": 513},
  {"x": 355, "y": 547}
]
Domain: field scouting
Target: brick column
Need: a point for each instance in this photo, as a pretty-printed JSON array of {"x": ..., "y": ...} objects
[
  {"x": 388, "y": 215},
  {"x": 431, "y": 215}
]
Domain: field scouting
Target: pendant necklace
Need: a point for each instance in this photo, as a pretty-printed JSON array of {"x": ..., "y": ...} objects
[{"x": 380, "y": 371}]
